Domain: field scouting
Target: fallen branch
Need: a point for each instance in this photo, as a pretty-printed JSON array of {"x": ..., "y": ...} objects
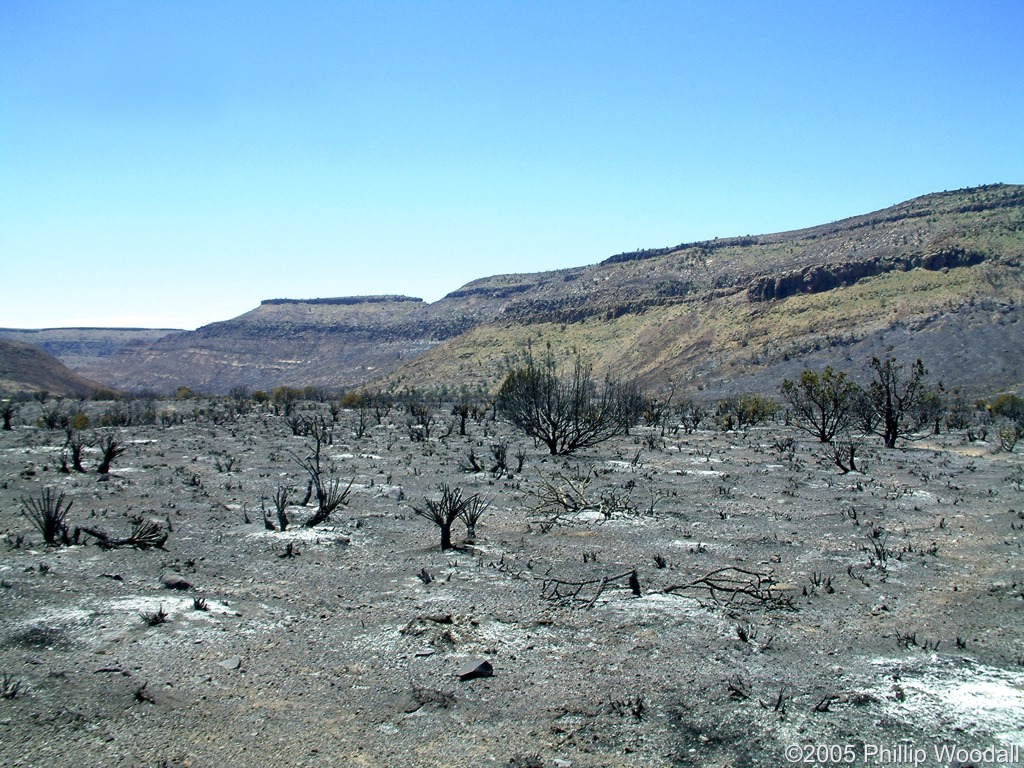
[
  {"x": 145, "y": 534},
  {"x": 568, "y": 592},
  {"x": 737, "y": 586}
]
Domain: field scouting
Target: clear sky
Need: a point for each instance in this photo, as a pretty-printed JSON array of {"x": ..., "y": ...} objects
[{"x": 171, "y": 164}]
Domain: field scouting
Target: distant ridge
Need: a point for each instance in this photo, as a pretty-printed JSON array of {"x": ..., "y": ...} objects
[
  {"x": 343, "y": 300},
  {"x": 937, "y": 277}
]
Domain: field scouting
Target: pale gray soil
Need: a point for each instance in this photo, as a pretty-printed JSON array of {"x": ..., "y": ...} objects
[{"x": 341, "y": 654}]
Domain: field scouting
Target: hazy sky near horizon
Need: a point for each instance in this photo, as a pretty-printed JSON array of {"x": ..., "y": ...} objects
[{"x": 173, "y": 164}]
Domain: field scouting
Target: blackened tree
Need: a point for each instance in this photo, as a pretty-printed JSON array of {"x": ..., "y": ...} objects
[
  {"x": 895, "y": 396},
  {"x": 567, "y": 412}
]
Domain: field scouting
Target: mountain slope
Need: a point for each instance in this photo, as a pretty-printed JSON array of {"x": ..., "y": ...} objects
[
  {"x": 937, "y": 277},
  {"x": 25, "y": 368}
]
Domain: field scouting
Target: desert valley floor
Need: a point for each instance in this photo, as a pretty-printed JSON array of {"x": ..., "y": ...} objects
[{"x": 787, "y": 613}]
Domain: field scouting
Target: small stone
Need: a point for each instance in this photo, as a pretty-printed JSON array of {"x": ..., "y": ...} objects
[
  {"x": 172, "y": 580},
  {"x": 474, "y": 669},
  {"x": 424, "y": 652},
  {"x": 232, "y": 662}
]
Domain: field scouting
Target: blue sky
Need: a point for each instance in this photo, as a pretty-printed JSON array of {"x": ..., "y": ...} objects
[{"x": 171, "y": 164}]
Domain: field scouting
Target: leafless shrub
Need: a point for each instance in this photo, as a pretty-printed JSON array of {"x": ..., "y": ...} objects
[
  {"x": 145, "y": 534},
  {"x": 567, "y": 412},
  {"x": 53, "y": 416},
  {"x": 842, "y": 451},
  {"x": 499, "y": 452},
  {"x": 224, "y": 463},
  {"x": 110, "y": 448},
  {"x": 690, "y": 415},
  {"x": 329, "y": 493},
  {"x": 280, "y": 499},
  {"x": 49, "y": 514},
  {"x": 471, "y": 462},
  {"x": 777, "y": 704},
  {"x": 76, "y": 445},
  {"x": 585, "y": 593},
  {"x": 738, "y": 587},
  {"x": 330, "y": 496},
  {"x": 8, "y": 410},
  {"x": 877, "y": 551},
  {"x": 565, "y": 499},
  {"x": 738, "y": 687},
  {"x": 472, "y": 510},
  {"x": 631, "y": 707}
]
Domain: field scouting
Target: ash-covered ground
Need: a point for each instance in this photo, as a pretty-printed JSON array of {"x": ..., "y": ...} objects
[{"x": 713, "y": 599}]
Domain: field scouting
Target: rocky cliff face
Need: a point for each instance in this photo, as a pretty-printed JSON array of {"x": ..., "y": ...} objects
[{"x": 825, "y": 277}]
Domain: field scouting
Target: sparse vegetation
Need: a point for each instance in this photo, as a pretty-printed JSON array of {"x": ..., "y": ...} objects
[{"x": 687, "y": 548}]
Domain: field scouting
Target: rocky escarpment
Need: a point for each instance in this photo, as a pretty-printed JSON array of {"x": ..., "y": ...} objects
[{"x": 825, "y": 277}]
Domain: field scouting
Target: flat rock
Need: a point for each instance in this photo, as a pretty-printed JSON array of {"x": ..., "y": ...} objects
[
  {"x": 232, "y": 662},
  {"x": 475, "y": 668}
]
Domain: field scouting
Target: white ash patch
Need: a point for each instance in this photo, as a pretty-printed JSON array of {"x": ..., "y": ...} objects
[
  {"x": 954, "y": 695},
  {"x": 136, "y": 605},
  {"x": 57, "y": 617},
  {"x": 322, "y": 534},
  {"x": 622, "y": 466}
]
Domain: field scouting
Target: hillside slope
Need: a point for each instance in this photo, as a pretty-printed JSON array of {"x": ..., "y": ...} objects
[
  {"x": 938, "y": 277},
  {"x": 25, "y": 368}
]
